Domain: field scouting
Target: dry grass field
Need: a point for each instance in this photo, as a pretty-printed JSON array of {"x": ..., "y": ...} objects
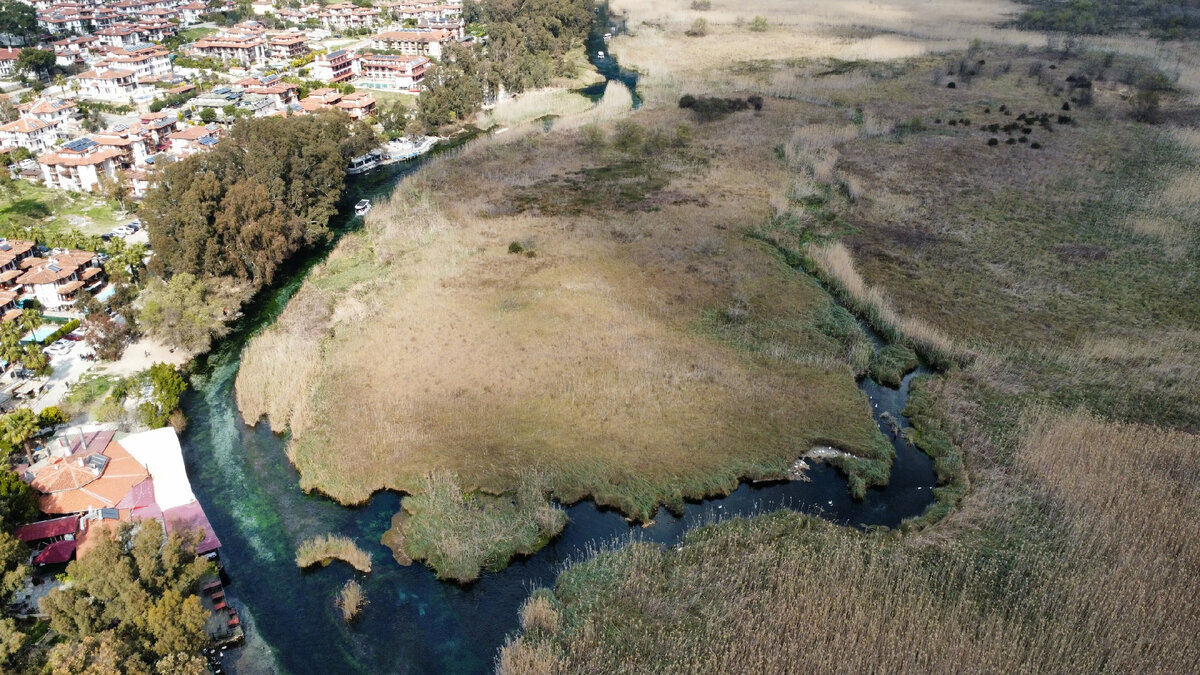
[
  {"x": 640, "y": 351},
  {"x": 1089, "y": 566}
]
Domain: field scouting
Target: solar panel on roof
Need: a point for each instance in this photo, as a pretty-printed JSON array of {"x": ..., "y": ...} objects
[
  {"x": 110, "y": 514},
  {"x": 80, "y": 144},
  {"x": 54, "y": 268}
]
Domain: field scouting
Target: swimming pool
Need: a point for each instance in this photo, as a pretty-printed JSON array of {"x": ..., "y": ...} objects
[{"x": 107, "y": 293}]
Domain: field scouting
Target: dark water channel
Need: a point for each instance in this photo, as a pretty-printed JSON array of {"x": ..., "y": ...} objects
[
  {"x": 607, "y": 65},
  {"x": 415, "y": 623}
]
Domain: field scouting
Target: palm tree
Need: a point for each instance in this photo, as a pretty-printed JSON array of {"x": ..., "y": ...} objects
[
  {"x": 29, "y": 320},
  {"x": 18, "y": 427},
  {"x": 60, "y": 81}
]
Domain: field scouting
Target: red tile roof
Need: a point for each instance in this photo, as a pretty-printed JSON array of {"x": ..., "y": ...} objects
[
  {"x": 45, "y": 529},
  {"x": 58, "y": 552}
]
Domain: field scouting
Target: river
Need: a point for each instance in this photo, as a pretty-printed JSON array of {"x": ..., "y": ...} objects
[{"x": 415, "y": 623}]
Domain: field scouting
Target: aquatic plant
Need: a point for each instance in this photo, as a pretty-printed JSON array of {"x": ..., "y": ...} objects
[{"x": 324, "y": 549}]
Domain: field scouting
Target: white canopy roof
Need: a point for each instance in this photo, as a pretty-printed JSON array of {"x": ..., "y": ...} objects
[{"x": 158, "y": 450}]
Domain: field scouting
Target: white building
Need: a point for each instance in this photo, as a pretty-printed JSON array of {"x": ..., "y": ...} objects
[
  {"x": 392, "y": 72},
  {"x": 77, "y": 166},
  {"x": 109, "y": 85},
  {"x": 29, "y": 133},
  {"x": 56, "y": 281},
  {"x": 414, "y": 42}
]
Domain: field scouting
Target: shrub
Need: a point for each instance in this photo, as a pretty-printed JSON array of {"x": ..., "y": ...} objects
[
  {"x": 629, "y": 135},
  {"x": 52, "y": 416},
  {"x": 687, "y": 101},
  {"x": 701, "y": 5},
  {"x": 759, "y": 24},
  {"x": 699, "y": 28}
]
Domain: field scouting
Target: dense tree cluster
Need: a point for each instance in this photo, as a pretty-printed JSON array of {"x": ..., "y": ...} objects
[
  {"x": 132, "y": 602},
  {"x": 242, "y": 209},
  {"x": 1172, "y": 19},
  {"x": 527, "y": 44}
]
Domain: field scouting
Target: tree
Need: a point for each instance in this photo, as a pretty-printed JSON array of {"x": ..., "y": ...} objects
[
  {"x": 8, "y": 111},
  {"x": 99, "y": 654},
  {"x": 242, "y": 209},
  {"x": 167, "y": 387},
  {"x": 52, "y": 416},
  {"x": 141, "y": 586},
  {"x": 114, "y": 187},
  {"x": 14, "y": 563},
  {"x": 18, "y": 427},
  {"x": 11, "y": 640},
  {"x": 106, "y": 335},
  {"x": 60, "y": 81},
  {"x": 208, "y": 115},
  {"x": 183, "y": 312},
  {"x": 18, "y": 19},
  {"x": 36, "y": 61},
  {"x": 18, "y": 501}
]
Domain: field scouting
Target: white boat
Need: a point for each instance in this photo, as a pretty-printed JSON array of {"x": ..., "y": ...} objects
[
  {"x": 364, "y": 163},
  {"x": 607, "y": 36},
  {"x": 361, "y": 208},
  {"x": 599, "y": 55}
]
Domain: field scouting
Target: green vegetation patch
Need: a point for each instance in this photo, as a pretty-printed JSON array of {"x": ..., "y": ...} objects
[
  {"x": 627, "y": 185},
  {"x": 890, "y": 364},
  {"x": 1165, "y": 19},
  {"x": 461, "y": 533}
]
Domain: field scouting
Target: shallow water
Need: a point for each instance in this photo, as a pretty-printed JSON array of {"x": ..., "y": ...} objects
[{"x": 415, "y": 623}]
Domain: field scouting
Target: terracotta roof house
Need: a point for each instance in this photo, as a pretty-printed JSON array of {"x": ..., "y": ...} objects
[
  {"x": 8, "y": 61},
  {"x": 55, "y": 281},
  {"x": 29, "y": 133},
  {"x": 76, "y": 483}
]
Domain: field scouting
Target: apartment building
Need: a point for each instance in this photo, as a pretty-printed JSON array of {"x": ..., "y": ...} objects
[
  {"x": 79, "y": 165},
  {"x": 29, "y": 133},
  {"x": 113, "y": 85},
  {"x": 334, "y": 67},
  {"x": 392, "y": 72},
  {"x": 287, "y": 46},
  {"x": 412, "y": 42}
]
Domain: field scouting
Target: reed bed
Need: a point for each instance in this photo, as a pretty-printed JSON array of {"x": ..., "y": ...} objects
[
  {"x": 833, "y": 264},
  {"x": 351, "y": 600},
  {"x": 460, "y": 533},
  {"x": 324, "y": 549},
  {"x": 1090, "y": 568}
]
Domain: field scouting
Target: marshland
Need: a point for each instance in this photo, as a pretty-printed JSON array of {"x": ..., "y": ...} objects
[{"x": 641, "y": 309}]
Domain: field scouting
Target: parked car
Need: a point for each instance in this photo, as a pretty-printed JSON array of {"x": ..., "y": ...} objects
[
  {"x": 122, "y": 231},
  {"x": 59, "y": 348}
]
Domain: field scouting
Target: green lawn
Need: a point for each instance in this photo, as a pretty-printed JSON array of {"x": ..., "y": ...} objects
[{"x": 35, "y": 208}]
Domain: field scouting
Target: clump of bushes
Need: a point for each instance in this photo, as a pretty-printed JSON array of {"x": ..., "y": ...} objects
[
  {"x": 707, "y": 109},
  {"x": 699, "y": 28},
  {"x": 701, "y": 5}
]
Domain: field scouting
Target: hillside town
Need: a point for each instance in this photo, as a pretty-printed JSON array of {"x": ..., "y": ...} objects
[{"x": 116, "y": 89}]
